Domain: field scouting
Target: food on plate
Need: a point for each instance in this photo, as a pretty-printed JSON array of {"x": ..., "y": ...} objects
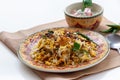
[{"x": 63, "y": 48}]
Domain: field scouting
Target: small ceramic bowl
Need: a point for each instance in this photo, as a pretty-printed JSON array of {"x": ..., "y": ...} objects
[{"x": 86, "y": 22}]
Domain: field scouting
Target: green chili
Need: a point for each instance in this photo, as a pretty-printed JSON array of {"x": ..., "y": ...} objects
[
  {"x": 115, "y": 30},
  {"x": 108, "y": 31},
  {"x": 114, "y": 26},
  {"x": 86, "y": 37}
]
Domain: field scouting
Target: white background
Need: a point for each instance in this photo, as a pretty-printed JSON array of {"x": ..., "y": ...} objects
[{"x": 23, "y": 14}]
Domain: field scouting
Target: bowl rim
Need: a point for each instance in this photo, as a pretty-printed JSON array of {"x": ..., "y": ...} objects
[{"x": 84, "y": 17}]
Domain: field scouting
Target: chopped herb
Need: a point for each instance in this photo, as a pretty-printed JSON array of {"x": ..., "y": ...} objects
[
  {"x": 86, "y": 3},
  {"x": 76, "y": 46},
  {"x": 51, "y": 32}
]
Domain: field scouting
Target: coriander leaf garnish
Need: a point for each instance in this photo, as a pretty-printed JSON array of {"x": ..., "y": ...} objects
[
  {"x": 86, "y": 3},
  {"x": 76, "y": 46}
]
